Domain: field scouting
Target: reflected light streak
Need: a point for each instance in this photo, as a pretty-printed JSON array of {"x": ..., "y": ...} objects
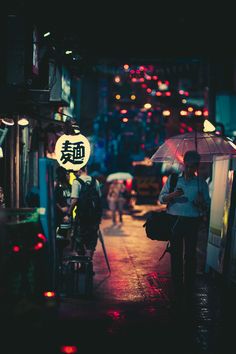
[{"x": 177, "y": 155}]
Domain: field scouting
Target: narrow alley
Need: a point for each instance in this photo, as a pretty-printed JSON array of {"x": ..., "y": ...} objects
[{"x": 130, "y": 310}]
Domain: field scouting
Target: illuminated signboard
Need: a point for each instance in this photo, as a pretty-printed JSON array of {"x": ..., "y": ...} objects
[{"x": 72, "y": 151}]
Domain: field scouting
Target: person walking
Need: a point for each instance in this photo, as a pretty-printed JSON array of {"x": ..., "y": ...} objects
[
  {"x": 116, "y": 199},
  {"x": 186, "y": 205},
  {"x": 86, "y": 197}
]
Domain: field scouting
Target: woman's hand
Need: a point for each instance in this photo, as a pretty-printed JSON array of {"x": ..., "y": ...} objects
[
  {"x": 178, "y": 192},
  {"x": 199, "y": 202},
  {"x": 64, "y": 209},
  {"x": 66, "y": 218}
]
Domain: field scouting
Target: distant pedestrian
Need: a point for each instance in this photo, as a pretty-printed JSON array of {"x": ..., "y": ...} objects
[
  {"x": 117, "y": 197},
  {"x": 186, "y": 206}
]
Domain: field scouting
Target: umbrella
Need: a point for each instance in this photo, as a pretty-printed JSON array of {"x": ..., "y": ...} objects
[
  {"x": 207, "y": 145},
  {"x": 120, "y": 176},
  {"x": 100, "y": 236}
]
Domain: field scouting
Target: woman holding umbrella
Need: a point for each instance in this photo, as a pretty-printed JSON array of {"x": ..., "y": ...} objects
[
  {"x": 116, "y": 197},
  {"x": 186, "y": 206}
]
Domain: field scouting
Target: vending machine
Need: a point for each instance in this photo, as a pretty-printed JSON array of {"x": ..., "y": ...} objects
[{"x": 221, "y": 245}]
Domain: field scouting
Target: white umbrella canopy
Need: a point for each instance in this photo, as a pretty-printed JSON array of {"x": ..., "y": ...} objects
[
  {"x": 207, "y": 145},
  {"x": 119, "y": 176}
]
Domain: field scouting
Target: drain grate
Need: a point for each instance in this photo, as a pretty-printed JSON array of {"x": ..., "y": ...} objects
[{"x": 158, "y": 286}]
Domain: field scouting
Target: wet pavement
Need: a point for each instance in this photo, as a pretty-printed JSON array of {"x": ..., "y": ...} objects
[{"x": 130, "y": 310}]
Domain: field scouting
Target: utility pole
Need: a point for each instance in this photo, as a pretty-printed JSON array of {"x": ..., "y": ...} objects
[{"x": 211, "y": 90}]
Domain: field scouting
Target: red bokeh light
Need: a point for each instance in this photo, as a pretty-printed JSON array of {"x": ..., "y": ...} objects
[
  {"x": 38, "y": 246},
  {"x": 42, "y": 237},
  {"x": 16, "y": 248},
  {"x": 164, "y": 179},
  {"x": 129, "y": 184},
  {"x": 69, "y": 349}
]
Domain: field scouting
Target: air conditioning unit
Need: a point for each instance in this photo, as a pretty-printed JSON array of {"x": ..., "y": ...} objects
[{"x": 59, "y": 84}]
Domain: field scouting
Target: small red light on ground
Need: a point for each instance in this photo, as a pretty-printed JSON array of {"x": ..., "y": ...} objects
[
  {"x": 16, "y": 248},
  {"x": 49, "y": 294},
  {"x": 69, "y": 349},
  {"x": 42, "y": 237},
  {"x": 38, "y": 246},
  {"x": 116, "y": 315}
]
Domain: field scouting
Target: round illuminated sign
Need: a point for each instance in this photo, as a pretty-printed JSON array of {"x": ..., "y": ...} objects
[{"x": 72, "y": 151}]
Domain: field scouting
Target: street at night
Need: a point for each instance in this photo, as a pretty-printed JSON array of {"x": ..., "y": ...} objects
[
  {"x": 129, "y": 310},
  {"x": 117, "y": 178}
]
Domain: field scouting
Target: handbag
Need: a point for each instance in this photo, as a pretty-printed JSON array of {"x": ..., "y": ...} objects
[{"x": 158, "y": 225}]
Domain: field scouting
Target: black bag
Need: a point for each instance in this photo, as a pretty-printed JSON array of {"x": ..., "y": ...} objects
[
  {"x": 76, "y": 276},
  {"x": 157, "y": 225},
  {"x": 89, "y": 206}
]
